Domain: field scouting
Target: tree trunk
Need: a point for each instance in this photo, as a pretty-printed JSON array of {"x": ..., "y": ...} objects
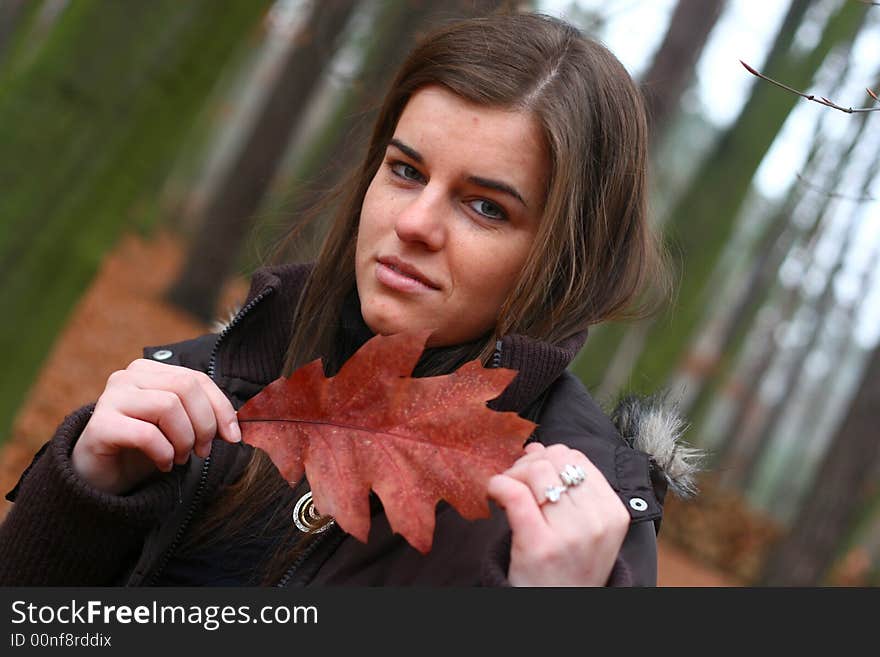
[
  {"x": 734, "y": 311},
  {"x": 821, "y": 308},
  {"x": 806, "y": 554},
  {"x": 752, "y": 438},
  {"x": 673, "y": 65},
  {"x": 213, "y": 252},
  {"x": 821, "y": 412}
]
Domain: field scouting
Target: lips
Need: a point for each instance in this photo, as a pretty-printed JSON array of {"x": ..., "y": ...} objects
[{"x": 407, "y": 270}]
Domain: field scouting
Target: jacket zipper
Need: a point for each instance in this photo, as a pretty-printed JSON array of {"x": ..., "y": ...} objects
[
  {"x": 203, "y": 478},
  {"x": 496, "y": 357},
  {"x": 212, "y": 364},
  {"x": 309, "y": 551}
]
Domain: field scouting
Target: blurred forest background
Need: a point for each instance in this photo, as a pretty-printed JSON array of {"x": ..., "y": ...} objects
[{"x": 152, "y": 154}]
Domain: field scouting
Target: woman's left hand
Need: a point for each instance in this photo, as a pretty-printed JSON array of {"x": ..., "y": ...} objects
[{"x": 573, "y": 541}]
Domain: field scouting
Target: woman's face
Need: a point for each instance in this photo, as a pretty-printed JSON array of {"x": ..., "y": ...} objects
[{"x": 449, "y": 217}]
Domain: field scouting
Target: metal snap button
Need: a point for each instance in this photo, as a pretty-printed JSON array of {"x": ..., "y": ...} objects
[
  {"x": 638, "y": 503},
  {"x": 163, "y": 354}
]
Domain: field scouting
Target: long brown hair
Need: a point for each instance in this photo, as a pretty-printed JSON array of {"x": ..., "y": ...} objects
[
  {"x": 594, "y": 255},
  {"x": 594, "y": 251}
]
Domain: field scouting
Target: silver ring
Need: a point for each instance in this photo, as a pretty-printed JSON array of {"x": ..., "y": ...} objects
[
  {"x": 553, "y": 493},
  {"x": 572, "y": 475}
]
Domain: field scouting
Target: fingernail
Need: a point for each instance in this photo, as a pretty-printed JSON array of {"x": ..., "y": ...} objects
[{"x": 235, "y": 431}]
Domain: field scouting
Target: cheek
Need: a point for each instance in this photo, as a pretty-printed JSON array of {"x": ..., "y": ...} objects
[
  {"x": 365, "y": 220},
  {"x": 376, "y": 218},
  {"x": 491, "y": 272},
  {"x": 366, "y": 241}
]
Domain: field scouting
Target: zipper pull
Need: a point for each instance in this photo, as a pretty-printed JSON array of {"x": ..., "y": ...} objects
[
  {"x": 307, "y": 518},
  {"x": 496, "y": 357}
]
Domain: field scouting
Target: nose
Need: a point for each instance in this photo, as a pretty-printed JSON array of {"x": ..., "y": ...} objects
[{"x": 422, "y": 221}]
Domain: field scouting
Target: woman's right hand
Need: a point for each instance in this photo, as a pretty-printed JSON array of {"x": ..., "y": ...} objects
[{"x": 151, "y": 416}]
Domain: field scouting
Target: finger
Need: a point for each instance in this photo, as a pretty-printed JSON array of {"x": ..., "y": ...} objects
[
  {"x": 523, "y": 513},
  {"x": 227, "y": 420},
  {"x": 211, "y": 413},
  {"x": 556, "y": 452},
  {"x": 131, "y": 433},
  {"x": 598, "y": 495},
  {"x": 532, "y": 452},
  {"x": 193, "y": 400},
  {"x": 561, "y": 455},
  {"x": 558, "y": 456},
  {"x": 163, "y": 409},
  {"x": 224, "y": 411},
  {"x": 595, "y": 496},
  {"x": 534, "y": 448},
  {"x": 539, "y": 475},
  {"x": 594, "y": 487}
]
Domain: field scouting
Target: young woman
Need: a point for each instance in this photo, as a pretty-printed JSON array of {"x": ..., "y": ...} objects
[{"x": 501, "y": 204}]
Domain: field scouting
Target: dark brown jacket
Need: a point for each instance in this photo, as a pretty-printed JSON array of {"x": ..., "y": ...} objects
[{"x": 63, "y": 532}]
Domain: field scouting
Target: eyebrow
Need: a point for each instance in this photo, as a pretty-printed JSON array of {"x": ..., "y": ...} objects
[{"x": 488, "y": 183}]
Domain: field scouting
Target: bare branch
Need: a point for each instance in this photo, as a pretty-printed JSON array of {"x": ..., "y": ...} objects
[
  {"x": 830, "y": 194},
  {"x": 816, "y": 99}
]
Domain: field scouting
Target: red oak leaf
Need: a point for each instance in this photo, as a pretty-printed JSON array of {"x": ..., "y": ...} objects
[{"x": 414, "y": 441}]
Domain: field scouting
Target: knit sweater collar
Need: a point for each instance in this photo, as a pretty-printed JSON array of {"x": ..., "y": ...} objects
[{"x": 253, "y": 346}]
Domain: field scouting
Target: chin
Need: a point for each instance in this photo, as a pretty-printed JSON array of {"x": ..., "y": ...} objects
[
  {"x": 391, "y": 325},
  {"x": 383, "y": 323}
]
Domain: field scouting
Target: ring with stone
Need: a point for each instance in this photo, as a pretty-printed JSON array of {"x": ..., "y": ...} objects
[
  {"x": 553, "y": 493},
  {"x": 572, "y": 475}
]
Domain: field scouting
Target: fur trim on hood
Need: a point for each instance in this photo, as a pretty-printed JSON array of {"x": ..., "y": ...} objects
[{"x": 654, "y": 426}]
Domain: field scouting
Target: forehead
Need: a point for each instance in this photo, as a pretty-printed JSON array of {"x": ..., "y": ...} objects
[{"x": 479, "y": 140}]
